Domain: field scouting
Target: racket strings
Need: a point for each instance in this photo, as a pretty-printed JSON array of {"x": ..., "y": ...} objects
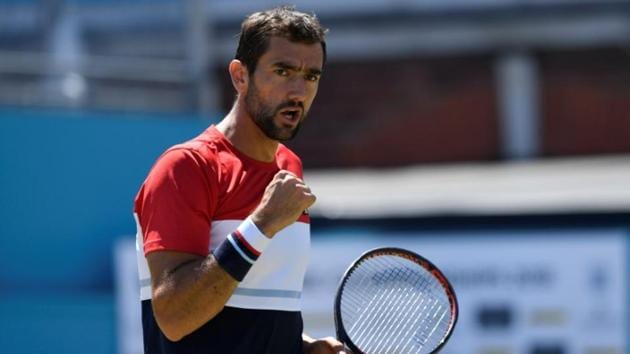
[
  {"x": 393, "y": 312},
  {"x": 396, "y": 301},
  {"x": 380, "y": 338},
  {"x": 401, "y": 319},
  {"x": 392, "y": 305}
]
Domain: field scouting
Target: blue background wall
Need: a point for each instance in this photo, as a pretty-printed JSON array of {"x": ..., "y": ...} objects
[{"x": 67, "y": 184}]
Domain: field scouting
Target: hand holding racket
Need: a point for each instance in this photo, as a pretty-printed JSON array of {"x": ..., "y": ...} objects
[{"x": 391, "y": 300}]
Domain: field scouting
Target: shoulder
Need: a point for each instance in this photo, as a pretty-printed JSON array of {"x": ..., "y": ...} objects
[
  {"x": 184, "y": 171},
  {"x": 195, "y": 158},
  {"x": 204, "y": 151},
  {"x": 289, "y": 160},
  {"x": 175, "y": 170},
  {"x": 205, "y": 146}
]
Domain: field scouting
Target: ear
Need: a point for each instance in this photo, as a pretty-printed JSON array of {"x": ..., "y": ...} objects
[{"x": 240, "y": 76}]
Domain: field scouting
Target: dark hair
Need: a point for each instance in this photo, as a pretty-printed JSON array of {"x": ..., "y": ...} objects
[{"x": 284, "y": 21}]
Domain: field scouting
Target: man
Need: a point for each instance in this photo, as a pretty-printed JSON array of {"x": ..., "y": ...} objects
[{"x": 223, "y": 232}]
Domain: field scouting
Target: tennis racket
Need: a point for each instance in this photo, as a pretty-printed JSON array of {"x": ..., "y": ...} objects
[{"x": 391, "y": 300}]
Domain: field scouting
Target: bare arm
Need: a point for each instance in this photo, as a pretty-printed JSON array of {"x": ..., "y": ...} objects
[{"x": 189, "y": 290}]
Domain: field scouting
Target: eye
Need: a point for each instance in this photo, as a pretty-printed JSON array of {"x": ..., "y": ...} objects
[
  {"x": 311, "y": 77},
  {"x": 281, "y": 72}
]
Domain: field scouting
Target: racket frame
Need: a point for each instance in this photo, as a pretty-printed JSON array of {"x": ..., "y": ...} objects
[{"x": 342, "y": 335}]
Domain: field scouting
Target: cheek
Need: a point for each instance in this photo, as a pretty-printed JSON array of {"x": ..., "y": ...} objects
[
  {"x": 265, "y": 98},
  {"x": 312, "y": 93}
]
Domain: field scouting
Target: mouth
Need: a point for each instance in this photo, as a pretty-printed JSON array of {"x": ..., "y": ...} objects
[{"x": 291, "y": 115}]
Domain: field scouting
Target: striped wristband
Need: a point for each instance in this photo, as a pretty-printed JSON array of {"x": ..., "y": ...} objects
[{"x": 241, "y": 249}]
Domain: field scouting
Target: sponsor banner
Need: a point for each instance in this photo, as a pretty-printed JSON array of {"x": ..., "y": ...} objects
[{"x": 534, "y": 292}]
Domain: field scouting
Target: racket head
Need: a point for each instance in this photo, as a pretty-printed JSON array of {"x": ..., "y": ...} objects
[{"x": 406, "y": 256}]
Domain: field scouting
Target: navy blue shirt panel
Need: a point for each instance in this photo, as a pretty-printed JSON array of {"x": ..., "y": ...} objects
[{"x": 232, "y": 331}]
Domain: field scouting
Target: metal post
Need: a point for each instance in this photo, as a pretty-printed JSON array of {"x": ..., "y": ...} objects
[
  {"x": 518, "y": 95},
  {"x": 199, "y": 44}
]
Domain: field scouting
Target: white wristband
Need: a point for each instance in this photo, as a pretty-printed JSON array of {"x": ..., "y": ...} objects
[{"x": 253, "y": 235}]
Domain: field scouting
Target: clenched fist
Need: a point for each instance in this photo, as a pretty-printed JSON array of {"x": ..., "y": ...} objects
[{"x": 285, "y": 199}]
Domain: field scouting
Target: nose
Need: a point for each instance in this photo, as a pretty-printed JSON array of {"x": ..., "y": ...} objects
[{"x": 298, "y": 90}]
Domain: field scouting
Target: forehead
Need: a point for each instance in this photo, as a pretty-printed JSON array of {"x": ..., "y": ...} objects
[{"x": 298, "y": 54}]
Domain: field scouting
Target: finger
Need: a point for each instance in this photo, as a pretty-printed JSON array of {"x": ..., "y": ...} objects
[
  {"x": 294, "y": 179},
  {"x": 281, "y": 175},
  {"x": 310, "y": 199},
  {"x": 338, "y": 346},
  {"x": 341, "y": 349},
  {"x": 289, "y": 176},
  {"x": 303, "y": 186},
  {"x": 285, "y": 173}
]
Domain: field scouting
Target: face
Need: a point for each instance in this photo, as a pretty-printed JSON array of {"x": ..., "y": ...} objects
[{"x": 283, "y": 87}]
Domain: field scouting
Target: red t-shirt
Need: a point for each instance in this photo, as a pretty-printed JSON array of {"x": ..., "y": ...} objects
[{"x": 203, "y": 180}]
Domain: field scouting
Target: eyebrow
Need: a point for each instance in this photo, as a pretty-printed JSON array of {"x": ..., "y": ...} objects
[{"x": 285, "y": 65}]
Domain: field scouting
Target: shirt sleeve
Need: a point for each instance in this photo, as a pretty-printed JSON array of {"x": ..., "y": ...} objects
[{"x": 173, "y": 205}]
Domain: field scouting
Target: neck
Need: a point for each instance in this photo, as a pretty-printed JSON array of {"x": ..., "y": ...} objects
[{"x": 242, "y": 132}]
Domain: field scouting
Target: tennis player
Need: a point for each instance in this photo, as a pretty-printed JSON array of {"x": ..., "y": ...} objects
[{"x": 223, "y": 233}]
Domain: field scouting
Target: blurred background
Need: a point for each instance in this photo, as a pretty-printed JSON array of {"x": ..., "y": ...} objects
[{"x": 491, "y": 136}]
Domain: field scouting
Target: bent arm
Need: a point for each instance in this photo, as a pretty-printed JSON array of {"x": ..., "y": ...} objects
[{"x": 188, "y": 291}]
